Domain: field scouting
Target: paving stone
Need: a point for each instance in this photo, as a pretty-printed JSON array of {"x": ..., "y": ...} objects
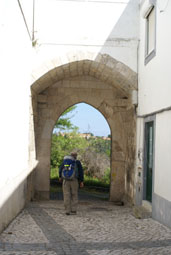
[{"x": 99, "y": 228}]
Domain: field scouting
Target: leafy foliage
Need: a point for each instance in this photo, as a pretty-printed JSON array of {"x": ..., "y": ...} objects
[
  {"x": 94, "y": 153},
  {"x": 100, "y": 145},
  {"x": 88, "y": 180},
  {"x": 54, "y": 174},
  {"x": 96, "y": 182},
  {"x": 94, "y": 163},
  {"x": 64, "y": 123},
  {"x": 63, "y": 145}
]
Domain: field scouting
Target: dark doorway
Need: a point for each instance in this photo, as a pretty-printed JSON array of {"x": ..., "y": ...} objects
[{"x": 148, "y": 166}]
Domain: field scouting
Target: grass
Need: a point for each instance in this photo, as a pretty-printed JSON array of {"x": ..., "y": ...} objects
[
  {"x": 55, "y": 188},
  {"x": 88, "y": 180},
  {"x": 94, "y": 181}
]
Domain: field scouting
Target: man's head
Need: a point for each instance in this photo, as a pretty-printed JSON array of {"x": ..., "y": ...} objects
[{"x": 74, "y": 154}]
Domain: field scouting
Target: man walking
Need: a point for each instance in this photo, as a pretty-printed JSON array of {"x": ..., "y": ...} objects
[{"x": 71, "y": 173}]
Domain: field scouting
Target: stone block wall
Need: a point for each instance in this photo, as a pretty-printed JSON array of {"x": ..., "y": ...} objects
[{"x": 110, "y": 94}]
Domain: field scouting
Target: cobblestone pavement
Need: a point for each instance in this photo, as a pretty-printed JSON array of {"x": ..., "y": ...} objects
[{"x": 99, "y": 228}]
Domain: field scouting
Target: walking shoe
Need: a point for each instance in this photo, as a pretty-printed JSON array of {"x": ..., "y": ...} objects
[{"x": 73, "y": 212}]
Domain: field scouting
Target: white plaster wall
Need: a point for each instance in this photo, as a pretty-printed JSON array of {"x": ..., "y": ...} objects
[
  {"x": 162, "y": 176},
  {"x": 155, "y": 77},
  {"x": 109, "y": 27},
  {"x": 15, "y": 68},
  {"x": 154, "y": 94}
]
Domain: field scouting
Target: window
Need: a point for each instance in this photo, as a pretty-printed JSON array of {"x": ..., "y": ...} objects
[
  {"x": 150, "y": 51},
  {"x": 151, "y": 32}
]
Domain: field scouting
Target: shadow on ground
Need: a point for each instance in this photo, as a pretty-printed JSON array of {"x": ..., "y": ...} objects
[{"x": 83, "y": 194}]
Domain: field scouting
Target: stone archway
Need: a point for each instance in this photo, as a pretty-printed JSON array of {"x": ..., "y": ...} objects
[{"x": 107, "y": 85}]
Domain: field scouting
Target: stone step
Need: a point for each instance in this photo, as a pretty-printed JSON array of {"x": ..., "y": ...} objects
[{"x": 142, "y": 212}]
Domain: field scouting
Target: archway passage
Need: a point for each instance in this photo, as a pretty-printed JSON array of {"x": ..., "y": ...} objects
[
  {"x": 106, "y": 85},
  {"x": 83, "y": 129}
]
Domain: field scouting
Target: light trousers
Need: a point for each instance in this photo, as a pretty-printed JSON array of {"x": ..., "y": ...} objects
[{"x": 70, "y": 194}]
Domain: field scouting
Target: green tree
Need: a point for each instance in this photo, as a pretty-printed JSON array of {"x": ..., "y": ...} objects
[
  {"x": 94, "y": 153},
  {"x": 64, "y": 122},
  {"x": 64, "y": 144},
  {"x": 101, "y": 146}
]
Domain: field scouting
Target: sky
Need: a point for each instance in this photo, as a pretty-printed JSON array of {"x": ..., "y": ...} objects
[{"x": 90, "y": 120}]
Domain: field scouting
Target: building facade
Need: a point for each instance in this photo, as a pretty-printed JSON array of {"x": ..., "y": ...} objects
[
  {"x": 113, "y": 55},
  {"x": 154, "y": 111}
]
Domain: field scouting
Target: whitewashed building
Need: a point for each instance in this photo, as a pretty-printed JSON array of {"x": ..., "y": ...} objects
[
  {"x": 154, "y": 108},
  {"x": 113, "y": 55}
]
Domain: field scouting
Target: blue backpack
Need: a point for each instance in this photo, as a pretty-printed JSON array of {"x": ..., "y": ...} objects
[{"x": 69, "y": 171}]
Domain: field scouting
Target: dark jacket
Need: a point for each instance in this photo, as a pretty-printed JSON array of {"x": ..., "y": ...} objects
[{"x": 80, "y": 171}]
